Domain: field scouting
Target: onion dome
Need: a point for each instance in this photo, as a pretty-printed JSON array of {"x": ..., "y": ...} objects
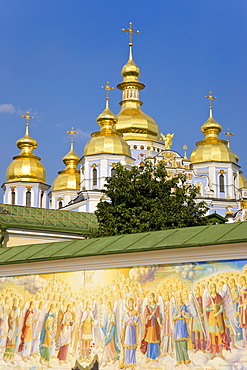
[
  {"x": 69, "y": 178},
  {"x": 107, "y": 140},
  {"x": 133, "y": 123},
  {"x": 212, "y": 148},
  {"x": 242, "y": 180},
  {"x": 26, "y": 166}
]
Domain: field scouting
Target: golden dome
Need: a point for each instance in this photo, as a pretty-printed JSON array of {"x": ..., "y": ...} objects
[
  {"x": 211, "y": 148},
  {"x": 69, "y": 178},
  {"x": 107, "y": 140},
  {"x": 132, "y": 123},
  {"x": 242, "y": 180},
  {"x": 26, "y": 166}
]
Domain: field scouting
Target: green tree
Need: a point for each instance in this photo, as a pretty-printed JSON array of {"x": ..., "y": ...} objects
[{"x": 147, "y": 200}]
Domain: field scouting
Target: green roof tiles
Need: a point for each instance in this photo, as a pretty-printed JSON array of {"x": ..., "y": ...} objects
[
  {"x": 46, "y": 219},
  {"x": 156, "y": 240}
]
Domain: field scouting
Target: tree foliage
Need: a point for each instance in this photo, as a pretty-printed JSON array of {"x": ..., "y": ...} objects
[{"x": 147, "y": 200}]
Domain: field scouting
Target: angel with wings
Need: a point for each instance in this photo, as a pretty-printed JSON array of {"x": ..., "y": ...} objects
[
  {"x": 168, "y": 140},
  {"x": 150, "y": 345},
  {"x": 129, "y": 335},
  {"x": 198, "y": 323},
  {"x": 235, "y": 292},
  {"x": 180, "y": 315},
  {"x": 214, "y": 306},
  {"x": 111, "y": 350},
  {"x": 26, "y": 333},
  {"x": 229, "y": 311},
  {"x": 167, "y": 342},
  {"x": 243, "y": 308},
  {"x": 39, "y": 317},
  {"x": 89, "y": 329}
]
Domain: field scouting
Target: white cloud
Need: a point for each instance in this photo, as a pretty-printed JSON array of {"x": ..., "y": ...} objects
[
  {"x": 83, "y": 134},
  {"x": 7, "y": 108}
]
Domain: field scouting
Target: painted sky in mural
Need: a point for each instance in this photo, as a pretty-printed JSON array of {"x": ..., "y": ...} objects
[{"x": 190, "y": 315}]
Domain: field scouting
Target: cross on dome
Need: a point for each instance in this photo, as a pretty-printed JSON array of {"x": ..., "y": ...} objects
[
  {"x": 210, "y": 97},
  {"x": 130, "y": 31},
  {"x": 107, "y": 88},
  {"x": 72, "y": 133},
  {"x": 27, "y": 117},
  {"x": 228, "y": 134}
]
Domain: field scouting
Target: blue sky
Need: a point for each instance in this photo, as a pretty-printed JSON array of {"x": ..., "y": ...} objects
[{"x": 56, "y": 54}]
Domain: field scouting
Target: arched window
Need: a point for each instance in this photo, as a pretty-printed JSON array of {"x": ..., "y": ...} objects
[
  {"x": 95, "y": 176},
  {"x": 60, "y": 204},
  {"x": 28, "y": 198},
  {"x": 113, "y": 171},
  {"x": 41, "y": 199},
  {"x": 13, "y": 197},
  {"x": 222, "y": 183}
]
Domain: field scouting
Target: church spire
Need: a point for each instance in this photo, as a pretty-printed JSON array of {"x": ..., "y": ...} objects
[
  {"x": 130, "y": 31},
  {"x": 130, "y": 73},
  {"x": 107, "y": 87},
  {"x": 210, "y": 97},
  {"x": 133, "y": 123},
  {"x": 26, "y": 166},
  {"x": 211, "y": 128}
]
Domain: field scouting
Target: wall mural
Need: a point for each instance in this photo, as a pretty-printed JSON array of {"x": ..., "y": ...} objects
[{"x": 148, "y": 317}]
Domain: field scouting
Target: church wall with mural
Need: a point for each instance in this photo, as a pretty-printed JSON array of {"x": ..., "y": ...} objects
[{"x": 142, "y": 317}]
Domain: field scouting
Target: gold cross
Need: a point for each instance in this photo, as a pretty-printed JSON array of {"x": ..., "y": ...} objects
[
  {"x": 107, "y": 88},
  {"x": 228, "y": 133},
  {"x": 210, "y": 97},
  {"x": 27, "y": 117},
  {"x": 130, "y": 31},
  {"x": 72, "y": 133}
]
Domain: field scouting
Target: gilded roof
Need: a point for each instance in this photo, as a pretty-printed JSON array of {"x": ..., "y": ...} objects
[
  {"x": 132, "y": 122},
  {"x": 69, "y": 178},
  {"x": 212, "y": 148},
  {"x": 26, "y": 166},
  {"x": 107, "y": 140}
]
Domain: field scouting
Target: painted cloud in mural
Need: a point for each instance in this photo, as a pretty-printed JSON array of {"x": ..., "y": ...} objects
[
  {"x": 32, "y": 283},
  {"x": 143, "y": 274}
]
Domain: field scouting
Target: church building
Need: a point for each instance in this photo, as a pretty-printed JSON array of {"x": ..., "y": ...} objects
[{"x": 129, "y": 137}]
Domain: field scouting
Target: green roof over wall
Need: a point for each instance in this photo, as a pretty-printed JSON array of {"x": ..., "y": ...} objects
[
  {"x": 155, "y": 240},
  {"x": 46, "y": 219}
]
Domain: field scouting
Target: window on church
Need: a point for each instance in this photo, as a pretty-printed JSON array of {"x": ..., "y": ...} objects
[
  {"x": 95, "y": 177},
  {"x": 60, "y": 204},
  {"x": 222, "y": 183},
  {"x": 113, "y": 171},
  {"x": 41, "y": 199},
  {"x": 13, "y": 198},
  {"x": 28, "y": 198}
]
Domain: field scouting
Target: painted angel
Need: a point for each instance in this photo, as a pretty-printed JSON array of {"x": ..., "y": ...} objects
[
  {"x": 150, "y": 345},
  {"x": 87, "y": 322},
  {"x": 243, "y": 308},
  {"x": 111, "y": 349},
  {"x": 129, "y": 335},
  {"x": 39, "y": 317},
  {"x": 229, "y": 311},
  {"x": 213, "y": 304},
  {"x": 65, "y": 337},
  {"x": 167, "y": 342},
  {"x": 180, "y": 315},
  {"x": 198, "y": 326}
]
